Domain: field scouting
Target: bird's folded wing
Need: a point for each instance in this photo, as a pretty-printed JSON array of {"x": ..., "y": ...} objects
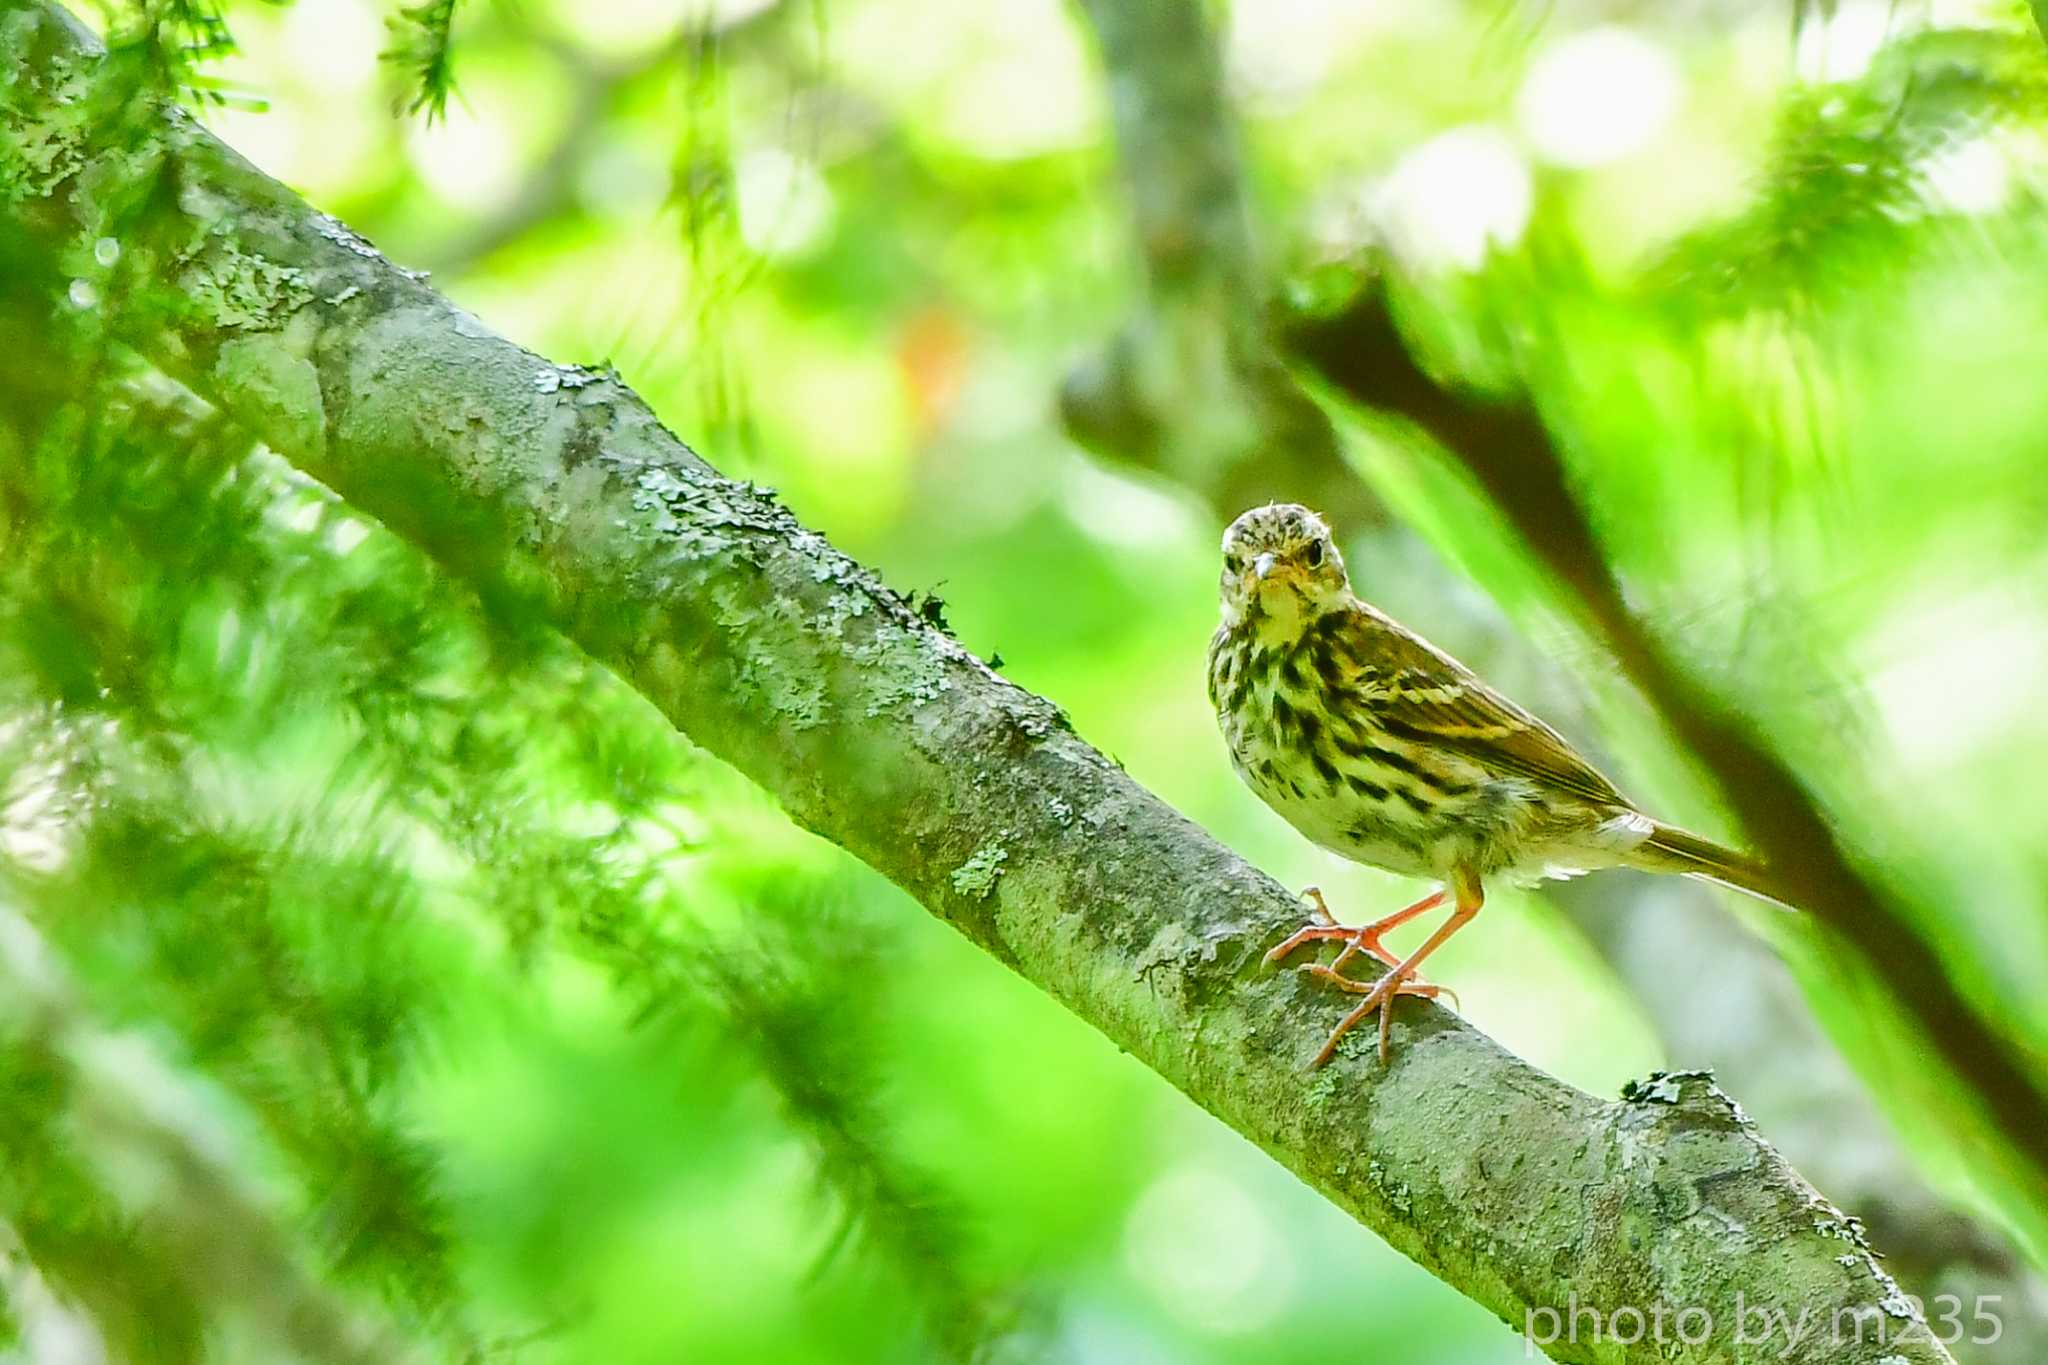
[{"x": 1417, "y": 693}]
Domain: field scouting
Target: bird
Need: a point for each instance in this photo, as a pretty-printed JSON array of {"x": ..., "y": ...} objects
[{"x": 1382, "y": 748}]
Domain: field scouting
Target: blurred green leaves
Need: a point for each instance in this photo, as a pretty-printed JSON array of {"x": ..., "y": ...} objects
[
  {"x": 1861, "y": 173},
  {"x": 422, "y": 39},
  {"x": 292, "y": 803},
  {"x": 1717, "y": 418}
]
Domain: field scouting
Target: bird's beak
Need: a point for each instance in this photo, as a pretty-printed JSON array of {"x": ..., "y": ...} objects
[{"x": 1262, "y": 566}]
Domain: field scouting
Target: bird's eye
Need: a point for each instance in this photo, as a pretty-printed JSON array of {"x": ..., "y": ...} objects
[{"x": 1314, "y": 554}]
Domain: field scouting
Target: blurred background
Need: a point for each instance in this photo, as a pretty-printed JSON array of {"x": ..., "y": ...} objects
[{"x": 530, "y": 1034}]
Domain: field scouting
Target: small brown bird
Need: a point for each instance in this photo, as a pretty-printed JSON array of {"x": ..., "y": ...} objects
[{"x": 1379, "y": 746}]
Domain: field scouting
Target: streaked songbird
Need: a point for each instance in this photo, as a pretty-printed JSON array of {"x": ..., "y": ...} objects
[{"x": 1380, "y": 747}]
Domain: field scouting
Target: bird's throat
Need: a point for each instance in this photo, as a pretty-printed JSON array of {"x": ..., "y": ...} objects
[{"x": 1282, "y": 614}]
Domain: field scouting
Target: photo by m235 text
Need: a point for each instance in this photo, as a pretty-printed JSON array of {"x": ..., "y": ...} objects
[{"x": 1897, "y": 1321}]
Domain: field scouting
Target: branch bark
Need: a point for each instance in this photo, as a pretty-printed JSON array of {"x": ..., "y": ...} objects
[
  {"x": 554, "y": 489},
  {"x": 1737, "y": 1009}
]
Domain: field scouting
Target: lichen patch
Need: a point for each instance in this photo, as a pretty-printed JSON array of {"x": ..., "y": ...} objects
[{"x": 977, "y": 876}]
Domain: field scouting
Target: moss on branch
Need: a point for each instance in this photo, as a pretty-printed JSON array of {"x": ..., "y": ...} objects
[{"x": 554, "y": 489}]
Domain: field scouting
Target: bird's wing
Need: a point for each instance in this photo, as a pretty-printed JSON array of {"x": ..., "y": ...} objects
[{"x": 1418, "y": 693}]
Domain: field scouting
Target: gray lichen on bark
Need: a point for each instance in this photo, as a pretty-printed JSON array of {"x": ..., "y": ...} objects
[{"x": 557, "y": 489}]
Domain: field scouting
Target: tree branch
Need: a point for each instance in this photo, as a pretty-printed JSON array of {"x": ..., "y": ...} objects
[
  {"x": 554, "y": 489},
  {"x": 1736, "y": 1008}
]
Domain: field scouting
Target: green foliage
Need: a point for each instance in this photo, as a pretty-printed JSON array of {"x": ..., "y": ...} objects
[
  {"x": 422, "y": 42},
  {"x": 1845, "y": 198},
  {"x": 179, "y": 42},
  {"x": 71, "y": 1225},
  {"x": 179, "y": 39}
]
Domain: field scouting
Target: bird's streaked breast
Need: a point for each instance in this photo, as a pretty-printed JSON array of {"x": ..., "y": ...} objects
[{"x": 1312, "y": 752}]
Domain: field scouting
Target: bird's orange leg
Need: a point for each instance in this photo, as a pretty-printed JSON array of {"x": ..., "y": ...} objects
[
  {"x": 1366, "y": 938},
  {"x": 1400, "y": 980}
]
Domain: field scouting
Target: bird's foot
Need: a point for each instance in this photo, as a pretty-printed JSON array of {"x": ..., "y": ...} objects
[
  {"x": 1323, "y": 927},
  {"x": 1366, "y": 939},
  {"x": 1411, "y": 985},
  {"x": 1403, "y": 978},
  {"x": 1378, "y": 996}
]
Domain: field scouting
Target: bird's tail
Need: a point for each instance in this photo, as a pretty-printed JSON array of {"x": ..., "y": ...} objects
[{"x": 1671, "y": 849}]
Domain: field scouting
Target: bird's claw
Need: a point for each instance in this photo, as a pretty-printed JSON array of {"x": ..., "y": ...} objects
[
  {"x": 1379, "y": 995},
  {"x": 1400, "y": 980},
  {"x": 1414, "y": 985},
  {"x": 1315, "y": 933}
]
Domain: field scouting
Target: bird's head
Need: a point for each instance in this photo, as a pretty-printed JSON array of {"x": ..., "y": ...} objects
[{"x": 1281, "y": 569}]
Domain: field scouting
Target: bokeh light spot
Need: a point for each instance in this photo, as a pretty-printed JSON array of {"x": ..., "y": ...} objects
[
  {"x": 1449, "y": 200},
  {"x": 1597, "y": 96},
  {"x": 1209, "y": 1251}
]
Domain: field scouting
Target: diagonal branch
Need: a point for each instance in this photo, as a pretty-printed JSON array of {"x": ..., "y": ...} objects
[{"x": 553, "y": 489}]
